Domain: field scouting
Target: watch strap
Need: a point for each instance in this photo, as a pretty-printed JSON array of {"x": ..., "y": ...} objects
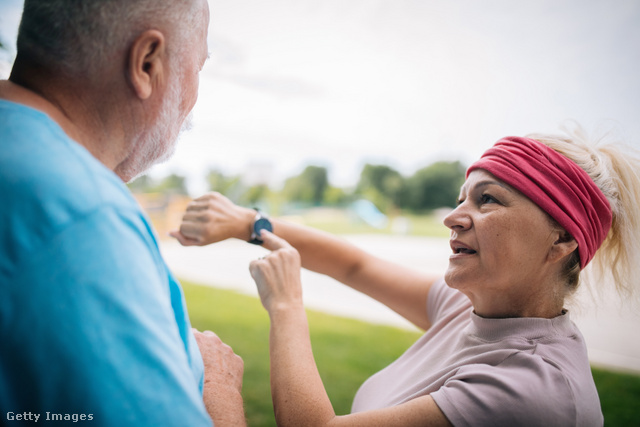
[{"x": 255, "y": 240}]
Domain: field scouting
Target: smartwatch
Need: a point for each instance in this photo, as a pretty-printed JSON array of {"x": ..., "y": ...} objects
[{"x": 260, "y": 222}]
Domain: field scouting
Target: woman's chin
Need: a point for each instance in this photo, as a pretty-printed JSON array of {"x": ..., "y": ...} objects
[{"x": 455, "y": 278}]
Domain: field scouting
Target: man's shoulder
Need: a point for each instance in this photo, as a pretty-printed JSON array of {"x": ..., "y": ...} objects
[
  {"x": 49, "y": 181},
  {"x": 41, "y": 164}
]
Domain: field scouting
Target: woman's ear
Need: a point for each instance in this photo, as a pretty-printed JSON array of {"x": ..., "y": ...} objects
[
  {"x": 147, "y": 55},
  {"x": 563, "y": 246}
]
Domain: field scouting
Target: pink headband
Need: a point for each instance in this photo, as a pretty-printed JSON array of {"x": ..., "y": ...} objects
[{"x": 554, "y": 183}]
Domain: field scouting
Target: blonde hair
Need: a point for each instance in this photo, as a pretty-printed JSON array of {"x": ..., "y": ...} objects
[{"x": 615, "y": 169}]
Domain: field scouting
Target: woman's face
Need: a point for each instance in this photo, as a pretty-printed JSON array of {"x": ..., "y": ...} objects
[{"x": 500, "y": 242}]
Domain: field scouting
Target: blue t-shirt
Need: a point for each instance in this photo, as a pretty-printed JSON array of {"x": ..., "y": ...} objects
[{"x": 91, "y": 320}]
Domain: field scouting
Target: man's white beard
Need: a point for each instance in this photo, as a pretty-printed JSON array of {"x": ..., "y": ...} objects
[
  {"x": 170, "y": 146},
  {"x": 159, "y": 144}
]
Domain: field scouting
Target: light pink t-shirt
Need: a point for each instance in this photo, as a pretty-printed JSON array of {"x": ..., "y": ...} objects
[{"x": 491, "y": 372}]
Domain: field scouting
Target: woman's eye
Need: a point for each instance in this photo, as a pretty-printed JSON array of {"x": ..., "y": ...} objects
[{"x": 486, "y": 198}]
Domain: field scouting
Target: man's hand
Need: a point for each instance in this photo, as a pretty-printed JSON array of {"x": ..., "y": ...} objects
[
  {"x": 212, "y": 218},
  {"x": 223, "y": 371}
]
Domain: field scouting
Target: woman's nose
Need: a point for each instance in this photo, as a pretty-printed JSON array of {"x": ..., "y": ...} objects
[{"x": 458, "y": 219}]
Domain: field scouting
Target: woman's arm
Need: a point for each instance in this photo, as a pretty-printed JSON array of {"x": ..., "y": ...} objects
[
  {"x": 213, "y": 218},
  {"x": 299, "y": 397}
]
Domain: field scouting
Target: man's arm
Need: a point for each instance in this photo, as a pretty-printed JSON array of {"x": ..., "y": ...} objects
[
  {"x": 222, "y": 381},
  {"x": 89, "y": 328}
]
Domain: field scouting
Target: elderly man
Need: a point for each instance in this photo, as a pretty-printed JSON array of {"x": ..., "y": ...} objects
[{"x": 93, "y": 326}]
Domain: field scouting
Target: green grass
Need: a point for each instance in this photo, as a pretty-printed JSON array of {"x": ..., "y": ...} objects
[
  {"x": 347, "y": 352},
  {"x": 619, "y": 396}
]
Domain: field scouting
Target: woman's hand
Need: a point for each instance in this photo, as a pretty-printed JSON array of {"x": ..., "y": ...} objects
[
  {"x": 277, "y": 275},
  {"x": 212, "y": 218}
]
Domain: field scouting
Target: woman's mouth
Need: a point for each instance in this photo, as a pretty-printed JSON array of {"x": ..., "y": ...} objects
[{"x": 461, "y": 249}]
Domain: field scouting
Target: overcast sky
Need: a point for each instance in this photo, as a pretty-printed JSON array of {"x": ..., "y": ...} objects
[{"x": 339, "y": 83}]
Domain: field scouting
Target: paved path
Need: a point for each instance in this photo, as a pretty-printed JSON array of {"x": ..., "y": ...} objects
[{"x": 611, "y": 331}]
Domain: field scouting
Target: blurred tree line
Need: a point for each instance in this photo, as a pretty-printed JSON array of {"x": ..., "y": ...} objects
[
  {"x": 172, "y": 184},
  {"x": 431, "y": 187}
]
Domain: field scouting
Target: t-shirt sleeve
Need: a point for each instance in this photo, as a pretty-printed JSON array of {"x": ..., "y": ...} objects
[
  {"x": 89, "y": 328},
  {"x": 524, "y": 390}
]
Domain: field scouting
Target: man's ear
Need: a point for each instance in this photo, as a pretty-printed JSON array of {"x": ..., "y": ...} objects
[
  {"x": 145, "y": 67},
  {"x": 564, "y": 245}
]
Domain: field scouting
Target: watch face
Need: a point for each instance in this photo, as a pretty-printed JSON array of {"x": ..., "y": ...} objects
[{"x": 262, "y": 224}]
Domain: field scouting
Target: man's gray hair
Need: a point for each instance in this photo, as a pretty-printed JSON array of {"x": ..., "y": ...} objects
[{"x": 76, "y": 37}]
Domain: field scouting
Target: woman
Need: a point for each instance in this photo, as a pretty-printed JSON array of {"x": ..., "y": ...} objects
[{"x": 499, "y": 347}]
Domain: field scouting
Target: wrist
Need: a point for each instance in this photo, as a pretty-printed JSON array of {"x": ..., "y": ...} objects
[
  {"x": 226, "y": 408},
  {"x": 245, "y": 223},
  {"x": 286, "y": 310},
  {"x": 260, "y": 222}
]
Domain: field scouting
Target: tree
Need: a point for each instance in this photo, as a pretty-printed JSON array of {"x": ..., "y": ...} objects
[
  {"x": 142, "y": 184},
  {"x": 172, "y": 184},
  {"x": 335, "y": 196},
  {"x": 308, "y": 187},
  {"x": 230, "y": 186},
  {"x": 382, "y": 185},
  {"x": 254, "y": 194},
  {"x": 435, "y": 186}
]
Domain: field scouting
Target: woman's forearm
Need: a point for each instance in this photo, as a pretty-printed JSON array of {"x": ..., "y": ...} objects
[
  {"x": 299, "y": 397},
  {"x": 322, "y": 252},
  {"x": 401, "y": 289},
  {"x": 213, "y": 218}
]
